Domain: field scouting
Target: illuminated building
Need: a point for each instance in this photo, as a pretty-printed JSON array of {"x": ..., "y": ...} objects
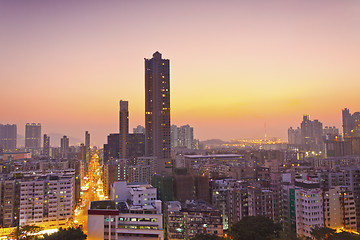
[
  {"x": 133, "y": 213},
  {"x": 352, "y": 180},
  {"x": 288, "y": 207},
  {"x": 260, "y": 202},
  {"x": 46, "y": 146},
  {"x": 339, "y": 208},
  {"x": 157, "y": 110},
  {"x": 220, "y": 200},
  {"x": 123, "y": 129},
  {"x": 108, "y": 220},
  {"x": 64, "y": 146},
  {"x": 32, "y": 136},
  {"x": 139, "y": 194},
  {"x": 47, "y": 200},
  {"x": 140, "y": 169},
  {"x": 309, "y": 207},
  {"x": 8, "y": 136},
  {"x": 351, "y": 123},
  {"x": 10, "y": 201},
  {"x": 331, "y": 133},
  {"x": 311, "y": 134},
  {"x": 114, "y": 170},
  {"x": 184, "y": 221}
]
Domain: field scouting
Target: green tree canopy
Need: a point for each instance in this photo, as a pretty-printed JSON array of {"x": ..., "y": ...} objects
[
  {"x": 65, "y": 234},
  {"x": 255, "y": 228},
  {"x": 325, "y": 233},
  {"x": 26, "y": 232},
  {"x": 206, "y": 237}
]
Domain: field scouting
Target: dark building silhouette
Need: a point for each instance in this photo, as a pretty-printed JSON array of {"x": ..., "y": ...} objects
[
  {"x": 8, "y": 137},
  {"x": 111, "y": 149},
  {"x": 123, "y": 129},
  {"x": 32, "y": 135},
  {"x": 64, "y": 146},
  {"x": 87, "y": 147},
  {"x": 351, "y": 123},
  {"x": 46, "y": 145},
  {"x": 136, "y": 145},
  {"x": 157, "y": 109},
  {"x": 310, "y": 136}
]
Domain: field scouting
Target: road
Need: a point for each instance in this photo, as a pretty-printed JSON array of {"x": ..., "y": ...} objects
[{"x": 92, "y": 190}]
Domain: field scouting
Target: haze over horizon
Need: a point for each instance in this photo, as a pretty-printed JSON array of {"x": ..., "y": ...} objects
[{"x": 234, "y": 67}]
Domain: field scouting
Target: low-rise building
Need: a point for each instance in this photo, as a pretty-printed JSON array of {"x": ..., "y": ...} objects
[
  {"x": 184, "y": 221},
  {"x": 110, "y": 220}
]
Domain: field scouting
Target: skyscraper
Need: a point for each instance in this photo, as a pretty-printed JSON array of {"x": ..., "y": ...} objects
[
  {"x": 157, "y": 109},
  {"x": 347, "y": 122},
  {"x": 64, "y": 147},
  {"x": 351, "y": 123},
  {"x": 87, "y": 147},
  {"x": 8, "y": 136},
  {"x": 32, "y": 135},
  {"x": 46, "y": 147},
  {"x": 123, "y": 128}
]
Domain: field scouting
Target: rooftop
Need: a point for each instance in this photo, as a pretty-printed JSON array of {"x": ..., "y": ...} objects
[
  {"x": 102, "y": 205},
  {"x": 215, "y": 156}
]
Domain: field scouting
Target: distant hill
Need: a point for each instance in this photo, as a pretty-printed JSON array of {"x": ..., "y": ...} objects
[{"x": 213, "y": 142}]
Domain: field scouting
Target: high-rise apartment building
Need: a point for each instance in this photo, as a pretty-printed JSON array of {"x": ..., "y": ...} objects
[
  {"x": 64, "y": 147},
  {"x": 183, "y": 137},
  {"x": 46, "y": 146},
  {"x": 309, "y": 207},
  {"x": 111, "y": 148},
  {"x": 8, "y": 136},
  {"x": 157, "y": 109},
  {"x": 123, "y": 129},
  {"x": 339, "y": 208},
  {"x": 47, "y": 200},
  {"x": 139, "y": 129},
  {"x": 352, "y": 180},
  {"x": 184, "y": 221},
  {"x": 351, "y": 123},
  {"x": 32, "y": 135},
  {"x": 87, "y": 147}
]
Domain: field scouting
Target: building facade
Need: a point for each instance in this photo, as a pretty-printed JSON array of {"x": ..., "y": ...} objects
[
  {"x": 8, "y": 137},
  {"x": 157, "y": 109},
  {"x": 32, "y": 136},
  {"x": 123, "y": 129}
]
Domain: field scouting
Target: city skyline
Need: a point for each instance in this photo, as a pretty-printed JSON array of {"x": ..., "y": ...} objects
[{"x": 240, "y": 65}]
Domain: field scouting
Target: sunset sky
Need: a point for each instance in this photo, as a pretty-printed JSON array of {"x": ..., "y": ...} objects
[{"x": 235, "y": 65}]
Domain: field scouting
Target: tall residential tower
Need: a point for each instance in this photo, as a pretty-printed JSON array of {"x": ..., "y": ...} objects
[
  {"x": 157, "y": 109},
  {"x": 32, "y": 135},
  {"x": 123, "y": 129}
]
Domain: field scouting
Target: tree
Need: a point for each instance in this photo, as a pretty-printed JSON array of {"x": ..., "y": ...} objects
[
  {"x": 320, "y": 233},
  {"x": 206, "y": 237},
  {"x": 284, "y": 235},
  {"x": 26, "y": 232},
  {"x": 64, "y": 234},
  {"x": 255, "y": 228},
  {"x": 325, "y": 233}
]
